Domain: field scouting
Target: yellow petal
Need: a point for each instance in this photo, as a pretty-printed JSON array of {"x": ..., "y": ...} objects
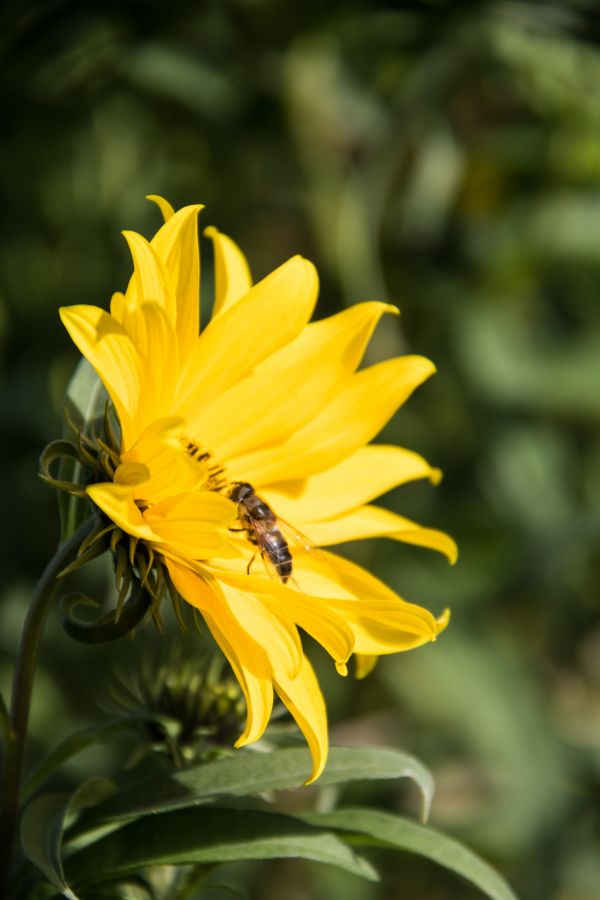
[
  {"x": 157, "y": 346},
  {"x": 164, "y": 205},
  {"x": 149, "y": 281},
  {"x": 290, "y": 387},
  {"x": 303, "y": 698},
  {"x": 194, "y": 525},
  {"x": 246, "y": 658},
  {"x": 364, "y": 665},
  {"x": 106, "y": 345},
  {"x": 355, "y": 415},
  {"x": 361, "y": 477},
  {"x": 176, "y": 245},
  {"x": 118, "y": 305},
  {"x": 310, "y": 613},
  {"x": 372, "y": 521},
  {"x": 232, "y": 272},
  {"x": 381, "y": 621},
  {"x": 270, "y": 315},
  {"x": 131, "y": 474},
  {"x": 269, "y": 627},
  {"x": 117, "y": 502},
  {"x": 171, "y": 470}
]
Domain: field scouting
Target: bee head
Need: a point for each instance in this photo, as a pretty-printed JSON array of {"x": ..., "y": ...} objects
[{"x": 240, "y": 491}]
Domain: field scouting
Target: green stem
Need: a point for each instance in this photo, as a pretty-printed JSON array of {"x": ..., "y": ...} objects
[{"x": 21, "y": 693}]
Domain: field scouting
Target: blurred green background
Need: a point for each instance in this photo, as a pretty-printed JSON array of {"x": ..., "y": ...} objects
[{"x": 446, "y": 157}]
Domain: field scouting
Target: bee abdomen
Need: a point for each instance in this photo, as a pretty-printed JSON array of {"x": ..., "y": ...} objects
[{"x": 278, "y": 551}]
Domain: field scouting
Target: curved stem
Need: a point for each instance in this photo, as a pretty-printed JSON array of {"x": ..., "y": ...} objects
[{"x": 21, "y": 692}]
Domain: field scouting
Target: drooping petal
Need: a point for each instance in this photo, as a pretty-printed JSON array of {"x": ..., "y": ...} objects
[
  {"x": 366, "y": 474},
  {"x": 380, "y": 620},
  {"x": 303, "y": 698},
  {"x": 232, "y": 272},
  {"x": 269, "y": 316},
  {"x": 350, "y": 420},
  {"x": 247, "y": 659},
  {"x": 107, "y": 346},
  {"x": 310, "y": 613},
  {"x": 289, "y": 387},
  {"x": 373, "y": 521},
  {"x": 364, "y": 665},
  {"x": 272, "y": 629},
  {"x": 117, "y": 502}
]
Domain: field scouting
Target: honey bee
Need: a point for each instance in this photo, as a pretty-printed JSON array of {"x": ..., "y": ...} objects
[{"x": 262, "y": 529}]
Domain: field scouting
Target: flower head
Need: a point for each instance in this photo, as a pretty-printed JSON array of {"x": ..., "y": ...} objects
[{"x": 227, "y": 432}]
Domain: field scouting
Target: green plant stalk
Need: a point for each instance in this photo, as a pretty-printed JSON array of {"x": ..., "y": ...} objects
[{"x": 21, "y": 694}]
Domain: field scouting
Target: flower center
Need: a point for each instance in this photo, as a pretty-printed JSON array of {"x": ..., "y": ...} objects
[{"x": 217, "y": 480}]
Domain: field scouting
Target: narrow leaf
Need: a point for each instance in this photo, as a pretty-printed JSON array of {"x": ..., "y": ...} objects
[
  {"x": 210, "y": 835},
  {"x": 41, "y": 837},
  {"x": 396, "y": 832},
  {"x": 43, "y": 825},
  {"x": 70, "y": 747},
  {"x": 248, "y": 772}
]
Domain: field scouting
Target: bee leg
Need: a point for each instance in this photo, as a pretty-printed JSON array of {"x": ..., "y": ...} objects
[
  {"x": 249, "y": 566},
  {"x": 236, "y": 529}
]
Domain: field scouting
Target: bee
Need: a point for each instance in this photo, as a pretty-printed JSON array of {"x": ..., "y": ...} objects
[{"x": 262, "y": 529}]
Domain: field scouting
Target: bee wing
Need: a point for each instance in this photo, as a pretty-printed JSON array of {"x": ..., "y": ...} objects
[
  {"x": 294, "y": 537},
  {"x": 267, "y": 544}
]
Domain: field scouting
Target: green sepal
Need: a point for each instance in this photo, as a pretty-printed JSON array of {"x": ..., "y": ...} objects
[
  {"x": 85, "y": 406},
  {"x": 110, "y": 627},
  {"x": 86, "y": 556},
  {"x": 61, "y": 450}
]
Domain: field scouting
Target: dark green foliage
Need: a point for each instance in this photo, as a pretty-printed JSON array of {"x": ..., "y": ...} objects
[{"x": 444, "y": 156}]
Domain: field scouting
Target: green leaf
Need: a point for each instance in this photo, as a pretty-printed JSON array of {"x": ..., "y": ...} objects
[
  {"x": 41, "y": 836},
  {"x": 43, "y": 824},
  {"x": 249, "y": 772},
  {"x": 85, "y": 402},
  {"x": 70, "y": 747},
  {"x": 4, "y": 720},
  {"x": 210, "y": 835},
  {"x": 214, "y": 883},
  {"x": 221, "y": 892},
  {"x": 396, "y": 832}
]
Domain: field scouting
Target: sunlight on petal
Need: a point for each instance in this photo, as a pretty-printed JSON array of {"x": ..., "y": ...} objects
[
  {"x": 369, "y": 472},
  {"x": 373, "y": 521},
  {"x": 303, "y": 698},
  {"x": 246, "y": 658},
  {"x": 233, "y": 278},
  {"x": 354, "y": 417},
  {"x": 116, "y": 501}
]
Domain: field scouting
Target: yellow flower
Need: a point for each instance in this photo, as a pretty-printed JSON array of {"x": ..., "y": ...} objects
[{"x": 265, "y": 397}]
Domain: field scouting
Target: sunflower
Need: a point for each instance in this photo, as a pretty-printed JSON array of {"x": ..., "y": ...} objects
[{"x": 260, "y": 396}]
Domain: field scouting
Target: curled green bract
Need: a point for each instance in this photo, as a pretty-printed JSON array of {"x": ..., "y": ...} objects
[
  {"x": 112, "y": 626},
  {"x": 60, "y": 450}
]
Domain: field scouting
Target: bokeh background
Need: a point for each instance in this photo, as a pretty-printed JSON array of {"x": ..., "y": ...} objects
[{"x": 443, "y": 156}]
